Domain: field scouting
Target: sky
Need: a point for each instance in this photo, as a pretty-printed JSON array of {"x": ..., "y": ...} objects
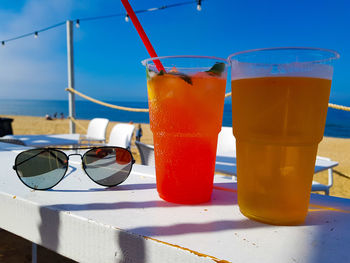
[{"x": 108, "y": 52}]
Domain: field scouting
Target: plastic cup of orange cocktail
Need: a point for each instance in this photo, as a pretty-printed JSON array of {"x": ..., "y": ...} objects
[
  {"x": 279, "y": 107},
  {"x": 186, "y": 102}
]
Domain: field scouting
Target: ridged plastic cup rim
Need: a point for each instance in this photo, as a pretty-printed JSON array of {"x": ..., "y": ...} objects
[
  {"x": 145, "y": 61},
  {"x": 335, "y": 56}
]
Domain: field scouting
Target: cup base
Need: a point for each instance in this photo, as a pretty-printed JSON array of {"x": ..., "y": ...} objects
[
  {"x": 271, "y": 221},
  {"x": 274, "y": 181},
  {"x": 185, "y": 201},
  {"x": 185, "y": 166}
]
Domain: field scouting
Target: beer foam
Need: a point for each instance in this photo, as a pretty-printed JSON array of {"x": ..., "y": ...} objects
[{"x": 243, "y": 70}]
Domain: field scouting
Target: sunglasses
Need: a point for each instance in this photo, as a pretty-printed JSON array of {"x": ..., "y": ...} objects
[{"x": 43, "y": 168}]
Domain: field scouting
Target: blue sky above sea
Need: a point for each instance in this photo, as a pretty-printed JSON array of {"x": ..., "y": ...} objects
[{"x": 107, "y": 53}]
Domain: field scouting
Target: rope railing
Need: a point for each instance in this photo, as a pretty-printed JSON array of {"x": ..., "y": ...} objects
[
  {"x": 77, "y": 123},
  {"x": 330, "y": 105},
  {"x": 338, "y": 107},
  {"x": 105, "y": 103}
]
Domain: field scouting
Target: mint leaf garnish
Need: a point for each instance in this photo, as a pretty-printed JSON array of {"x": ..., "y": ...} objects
[
  {"x": 217, "y": 69},
  {"x": 183, "y": 76},
  {"x": 150, "y": 74}
]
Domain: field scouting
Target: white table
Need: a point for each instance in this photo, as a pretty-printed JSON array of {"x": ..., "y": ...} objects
[
  {"x": 130, "y": 223},
  {"x": 42, "y": 140}
]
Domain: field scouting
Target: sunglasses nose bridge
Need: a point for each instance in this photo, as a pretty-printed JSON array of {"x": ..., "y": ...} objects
[
  {"x": 81, "y": 157},
  {"x": 72, "y": 154}
]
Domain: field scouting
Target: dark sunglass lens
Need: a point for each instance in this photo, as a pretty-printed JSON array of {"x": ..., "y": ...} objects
[
  {"x": 108, "y": 166},
  {"x": 41, "y": 168}
]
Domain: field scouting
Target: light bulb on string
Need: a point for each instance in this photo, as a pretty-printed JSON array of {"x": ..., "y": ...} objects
[
  {"x": 199, "y": 5},
  {"x": 77, "y": 23},
  {"x": 36, "y": 34},
  {"x": 127, "y": 18}
]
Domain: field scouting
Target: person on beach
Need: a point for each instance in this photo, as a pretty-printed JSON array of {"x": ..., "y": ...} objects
[
  {"x": 48, "y": 117},
  {"x": 62, "y": 116},
  {"x": 139, "y": 133}
]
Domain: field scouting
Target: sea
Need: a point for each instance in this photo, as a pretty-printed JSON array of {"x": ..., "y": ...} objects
[{"x": 337, "y": 123}]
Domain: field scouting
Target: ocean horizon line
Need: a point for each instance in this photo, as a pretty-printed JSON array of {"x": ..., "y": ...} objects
[{"x": 337, "y": 123}]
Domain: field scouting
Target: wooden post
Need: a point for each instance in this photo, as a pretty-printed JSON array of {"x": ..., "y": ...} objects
[{"x": 70, "y": 65}]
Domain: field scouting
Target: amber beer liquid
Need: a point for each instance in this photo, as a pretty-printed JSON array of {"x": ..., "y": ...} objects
[
  {"x": 278, "y": 123},
  {"x": 279, "y": 107},
  {"x": 185, "y": 118}
]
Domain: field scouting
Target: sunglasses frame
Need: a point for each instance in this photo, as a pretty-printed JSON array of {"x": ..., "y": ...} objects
[{"x": 59, "y": 149}]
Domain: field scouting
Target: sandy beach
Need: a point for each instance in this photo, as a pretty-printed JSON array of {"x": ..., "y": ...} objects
[{"x": 14, "y": 249}]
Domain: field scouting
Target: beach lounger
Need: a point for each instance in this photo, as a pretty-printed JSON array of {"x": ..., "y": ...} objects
[
  {"x": 146, "y": 152},
  {"x": 43, "y": 140},
  {"x": 11, "y": 145},
  {"x": 226, "y": 160},
  {"x": 12, "y": 141},
  {"x": 121, "y": 135},
  {"x": 96, "y": 133}
]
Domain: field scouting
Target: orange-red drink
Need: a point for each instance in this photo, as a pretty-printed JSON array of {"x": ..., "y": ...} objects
[
  {"x": 278, "y": 117},
  {"x": 185, "y": 117}
]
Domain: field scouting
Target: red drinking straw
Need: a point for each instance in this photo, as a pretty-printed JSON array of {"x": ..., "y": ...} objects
[{"x": 142, "y": 34}]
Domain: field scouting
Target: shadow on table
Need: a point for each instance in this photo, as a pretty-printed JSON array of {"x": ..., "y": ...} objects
[
  {"x": 131, "y": 241},
  {"x": 333, "y": 234},
  {"x": 115, "y": 188},
  {"x": 207, "y": 227},
  {"x": 131, "y": 205},
  {"x": 132, "y": 247},
  {"x": 49, "y": 228},
  {"x": 321, "y": 240}
]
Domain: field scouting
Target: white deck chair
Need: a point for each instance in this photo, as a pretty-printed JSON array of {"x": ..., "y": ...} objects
[
  {"x": 226, "y": 160},
  {"x": 323, "y": 163},
  {"x": 146, "y": 153},
  {"x": 96, "y": 131},
  {"x": 121, "y": 135},
  {"x": 226, "y": 143}
]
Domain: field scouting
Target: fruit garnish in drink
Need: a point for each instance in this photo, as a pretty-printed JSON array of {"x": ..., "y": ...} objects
[
  {"x": 174, "y": 69},
  {"x": 150, "y": 74},
  {"x": 183, "y": 76},
  {"x": 217, "y": 69}
]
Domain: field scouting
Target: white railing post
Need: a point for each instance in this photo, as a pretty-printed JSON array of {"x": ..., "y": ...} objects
[{"x": 70, "y": 65}]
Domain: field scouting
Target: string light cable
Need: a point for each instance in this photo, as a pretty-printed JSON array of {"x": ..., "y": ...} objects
[
  {"x": 125, "y": 15},
  {"x": 35, "y": 33}
]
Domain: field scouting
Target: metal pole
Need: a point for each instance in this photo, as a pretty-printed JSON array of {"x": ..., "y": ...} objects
[
  {"x": 34, "y": 253},
  {"x": 70, "y": 64}
]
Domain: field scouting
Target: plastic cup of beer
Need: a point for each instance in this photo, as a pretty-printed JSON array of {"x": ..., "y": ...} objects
[
  {"x": 186, "y": 102},
  {"x": 279, "y": 107}
]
